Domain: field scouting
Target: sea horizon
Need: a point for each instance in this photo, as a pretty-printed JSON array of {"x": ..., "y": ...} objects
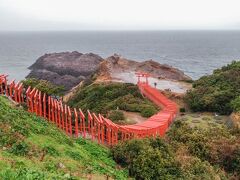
[{"x": 196, "y": 52}]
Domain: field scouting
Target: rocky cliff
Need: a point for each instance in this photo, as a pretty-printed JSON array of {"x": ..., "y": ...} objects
[
  {"x": 70, "y": 68},
  {"x": 114, "y": 65},
  {"x": 66, "y": 68}
]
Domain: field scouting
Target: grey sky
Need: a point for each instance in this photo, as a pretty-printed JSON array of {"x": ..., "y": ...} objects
[{"x": 118, "y": 14}]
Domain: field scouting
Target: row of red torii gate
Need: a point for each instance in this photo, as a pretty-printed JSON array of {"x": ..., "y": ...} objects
[{"x": 74, "y": 122}]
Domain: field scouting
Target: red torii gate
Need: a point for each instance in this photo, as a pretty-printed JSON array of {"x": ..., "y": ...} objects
[
  {"x": 3, "y": 84},
  {"x": 142, "y": 75},
  {"x": 74, "y": 122}
]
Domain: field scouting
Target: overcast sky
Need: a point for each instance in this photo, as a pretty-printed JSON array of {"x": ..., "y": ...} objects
[{"x": 118, "y": 14}]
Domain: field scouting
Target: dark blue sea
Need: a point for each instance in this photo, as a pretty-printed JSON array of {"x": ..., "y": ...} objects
[{"x": 195, "y": 52}]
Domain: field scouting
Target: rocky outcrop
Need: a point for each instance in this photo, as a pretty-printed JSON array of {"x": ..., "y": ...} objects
[
  {"x": 115, "y": 64},
  {"x": 67, "y": 68},
  {"x": 70, "y": 68}
]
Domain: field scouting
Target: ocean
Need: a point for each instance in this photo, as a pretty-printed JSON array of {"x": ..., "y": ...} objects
[{"x": 197, "y": 53}]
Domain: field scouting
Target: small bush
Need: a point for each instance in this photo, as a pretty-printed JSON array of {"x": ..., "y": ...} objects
[
  {"x": 51, "y": 150},
  {"x": 50, "y": 166},
  {"x": 19, "y": 148},
  {"x": 149, "y": 111},
  {"x": 182, "y": 110},
  {"x": 235, "y": 104},
  {"x": 116, "y": 115},
  {"x": 152, "y": 163},
  {"x": 233, "y": 163},
  {"x": 74, "y": 155}
]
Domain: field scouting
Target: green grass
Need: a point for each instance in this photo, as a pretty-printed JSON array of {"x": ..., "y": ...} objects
[
  {"x": 105, "y": 97},
  {"x": 31, "y": 148}
]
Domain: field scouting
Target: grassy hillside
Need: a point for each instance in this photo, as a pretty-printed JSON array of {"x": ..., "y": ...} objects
[
  {"x": 219, "y": 92},
  {"x": 31, "y": 148},
  {"x": 104, "y": 98}
]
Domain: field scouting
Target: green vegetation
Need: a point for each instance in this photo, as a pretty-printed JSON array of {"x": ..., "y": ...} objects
[
  {"x": 196, "y": 147},
  {"x": 182, "y": 110},
  {"x": 147, "y": 159},
  {"x": 189, "y": 151},
  {"x": 218, "y": 92},
  {"x": 103, "y": 98},
  {"x": 44, "y": 86},
  {"x": 216, "y": 144},
  {"x": 116, "y": 115},
  {"x": 31, "y": 148},
  {"x": 235, "y": 104}
]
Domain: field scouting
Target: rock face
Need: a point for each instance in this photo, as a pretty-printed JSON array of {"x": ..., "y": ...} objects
[
  {"x": 67, "y": 68},
  {"x": 115, "y": 65},
  {"x": 70, "y": 68}
]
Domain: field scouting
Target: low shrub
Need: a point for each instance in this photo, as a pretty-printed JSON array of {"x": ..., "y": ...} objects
[
  {"x": 50, "y": 150},
  {"x": 182, "y": 110},
  {"x": 235, "y": 161},
  {"x": 148, "y": 111},
  {"x": 73, "y": 155},
  {"x": 152, "y": 163},
  {"x": 116, "y": 115},
  {"x": 235, "y": 104},
  {"x": 50, "y": 166},
  {"x": 19, "y": 148}
]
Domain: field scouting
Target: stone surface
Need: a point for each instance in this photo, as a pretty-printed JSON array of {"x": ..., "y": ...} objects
[
  {"x": 70, "y": 68},
  {"x": 118, "y": 69},
  {"x": 116, "y": 64},
  {"x": 66, "y": 68}
]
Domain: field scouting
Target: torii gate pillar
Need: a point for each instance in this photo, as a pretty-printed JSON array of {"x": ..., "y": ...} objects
[{"x": 142, "y": 75}]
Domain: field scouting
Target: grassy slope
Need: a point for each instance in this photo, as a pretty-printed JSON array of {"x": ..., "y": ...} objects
[
  {"x": 31, "y": 147},
  {"x": 102, "y": 98}
]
